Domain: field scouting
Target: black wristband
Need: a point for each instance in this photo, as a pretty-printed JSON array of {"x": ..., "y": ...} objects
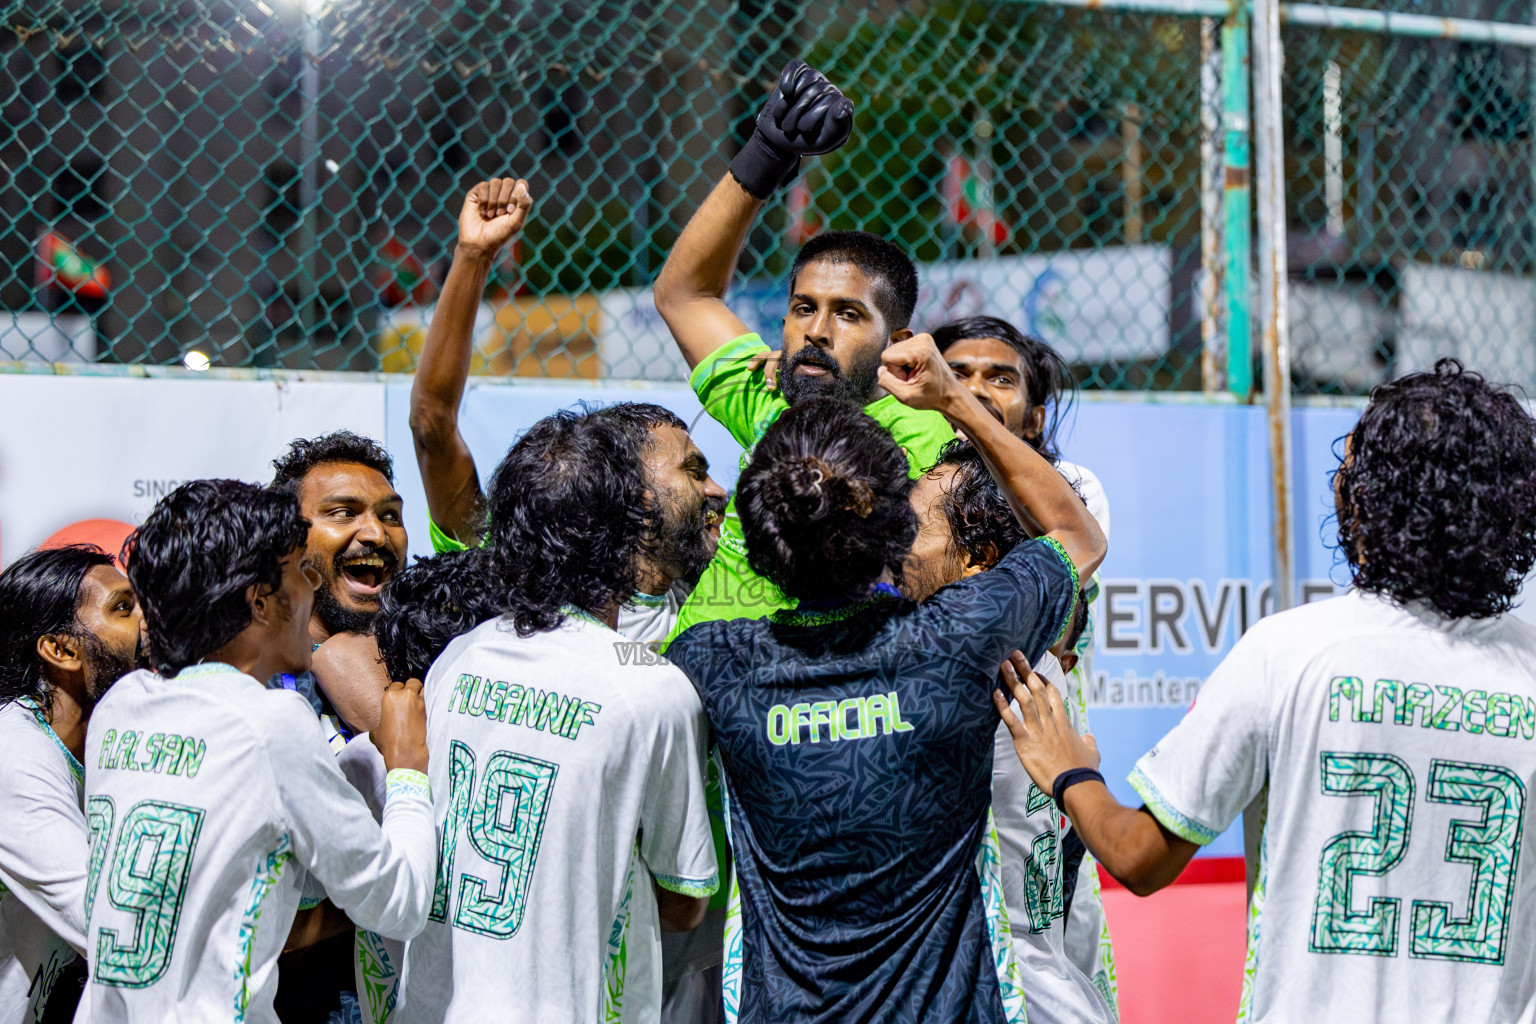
[
  {"x": 761, "y": 168},
  {"x": 1072, "y": 777}
]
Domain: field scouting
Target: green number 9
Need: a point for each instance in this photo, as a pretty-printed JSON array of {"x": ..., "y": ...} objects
[{"x": 148, "y": 879}]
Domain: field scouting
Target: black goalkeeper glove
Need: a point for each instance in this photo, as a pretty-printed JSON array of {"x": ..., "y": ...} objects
[{"x": 805, "y": 116}]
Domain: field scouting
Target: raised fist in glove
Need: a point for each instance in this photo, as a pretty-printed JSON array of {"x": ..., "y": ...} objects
[{"x": 805, "y": 116}]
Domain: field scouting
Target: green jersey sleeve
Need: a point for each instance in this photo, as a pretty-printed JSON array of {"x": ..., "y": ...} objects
[
  {"x": 920, "y": 432},
  {"x": 441, "y": 542},
  {"x": 735, "y": 395}
]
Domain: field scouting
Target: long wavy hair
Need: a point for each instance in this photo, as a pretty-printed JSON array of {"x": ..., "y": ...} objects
[
  {"x": 569, "y": 517},
  {"x": 40, "y": 596}
]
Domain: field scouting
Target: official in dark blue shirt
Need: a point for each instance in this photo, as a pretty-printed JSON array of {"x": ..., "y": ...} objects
[{"x": 856, "y": 730}]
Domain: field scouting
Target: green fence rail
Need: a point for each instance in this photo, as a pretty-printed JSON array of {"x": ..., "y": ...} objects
[{"x": 275, "y": 183}]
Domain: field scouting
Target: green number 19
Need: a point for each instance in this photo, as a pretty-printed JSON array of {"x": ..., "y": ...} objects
[
  {"x": 148, "y": 879},
  {"x": 1490, "y": 845},
  {"x": 504, "y": 822}
]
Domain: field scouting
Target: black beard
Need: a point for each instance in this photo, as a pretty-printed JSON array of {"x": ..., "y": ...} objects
[
  {"x": 681, "y": 545},
  {"x": 855, "y": 386},
  {"x": 104, "y": 666},
  {"x": 336, "y": 617}
]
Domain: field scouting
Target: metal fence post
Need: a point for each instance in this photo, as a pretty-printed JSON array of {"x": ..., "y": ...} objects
[
  {"x": 1212, "y": 189},
  {"x": 1273, "y": 291},
  {"x": 1237, "y": 234}
]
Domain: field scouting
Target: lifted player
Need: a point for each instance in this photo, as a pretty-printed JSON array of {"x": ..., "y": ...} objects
[
  {"x": 1393, "y": 727},
  {"x": 69, "y": 629},
  {"x": 344, "y": 483},
  {"x": 856, "y": 731},
  {"x": 851, "y": 295},
  {"x": 209, "y": 796},
  {"x": 493, "y": 213}
]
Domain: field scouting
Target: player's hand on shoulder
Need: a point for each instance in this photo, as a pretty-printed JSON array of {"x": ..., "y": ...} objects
[
  {"x": 493, "y": 212},
  {"x": 768, "y": 362},
  {"x": 401, "y": 735},
  {"x": 915, "y": 372},
  {"x": 1044, "y": 738}
]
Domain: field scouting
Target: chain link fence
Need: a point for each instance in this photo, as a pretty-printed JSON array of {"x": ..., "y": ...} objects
[
  {"x": 275, "y": 183},
  {"x": 1410, "y": 201}
]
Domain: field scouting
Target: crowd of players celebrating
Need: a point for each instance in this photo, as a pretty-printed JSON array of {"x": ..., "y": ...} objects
[{"x": 268, "y": 771}]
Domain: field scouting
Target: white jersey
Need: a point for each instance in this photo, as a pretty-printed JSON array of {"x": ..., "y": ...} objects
[
  {"x": 209, "y": 798},
  {"x": 569, "y": 774},
  {"x": 1087, "y": 941},
  {"x": 1396, "y": 879},
  {"x": 1087, "y": 484},
  {"x": 650, "y": 617},
  {"x": 377, "y": 961},
  {"x": 43, "y": 851},
  {"x": 1030, "y": 834}
]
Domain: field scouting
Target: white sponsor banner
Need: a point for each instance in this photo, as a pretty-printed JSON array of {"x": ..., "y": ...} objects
[
  {"x": 76, "y": 448},
  {"x": 1091, "y": 305}
]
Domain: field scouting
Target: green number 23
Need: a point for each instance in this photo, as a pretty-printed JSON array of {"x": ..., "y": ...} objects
[{"x": 1491, "y": 846}]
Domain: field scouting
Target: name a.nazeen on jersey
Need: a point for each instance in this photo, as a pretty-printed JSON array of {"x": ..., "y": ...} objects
[
  {"x": 871, "y": 714},
  {"x": 501, "y": 701},
  {"x": 166, "y": 752},
  {"x": 1450, "y": 708}
]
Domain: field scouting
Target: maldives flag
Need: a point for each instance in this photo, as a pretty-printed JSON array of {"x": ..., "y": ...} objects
[
  {"x": 61, "y": 265},
  {"x": 802, "y": 220},
  {"x": 399, "y": 276},
  {"x": 968, "y": 198}
]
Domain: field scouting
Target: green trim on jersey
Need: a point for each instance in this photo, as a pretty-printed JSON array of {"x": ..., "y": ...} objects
[
  {"x": 695, "y": 887},
  {"x": 407, "y": 781},
  {"x": 75, "y": 767},
  {"x": 737, "y": 397},
  {"x": 1010, "y": 980},
  {"x": 1077, "y": 591},
  {"x": 266, "y": 877},
  {"x": 1255, "y": 909},
  {"x": 1171, "y": 818}
]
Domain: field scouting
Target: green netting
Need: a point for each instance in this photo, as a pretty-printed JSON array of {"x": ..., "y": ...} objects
[
  {"x": 275, "y": 183},
  {"x": 1410, "y": 205}
]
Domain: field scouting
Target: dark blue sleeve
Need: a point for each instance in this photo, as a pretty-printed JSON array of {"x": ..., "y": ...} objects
[{"x": 1025, "y": 601}]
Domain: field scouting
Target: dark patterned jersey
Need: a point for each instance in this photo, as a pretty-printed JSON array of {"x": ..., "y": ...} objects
[{"x": 857, "y": 748}]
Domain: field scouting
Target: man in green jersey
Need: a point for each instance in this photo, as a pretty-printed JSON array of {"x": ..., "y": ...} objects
[{"x": 851, "y": 294}]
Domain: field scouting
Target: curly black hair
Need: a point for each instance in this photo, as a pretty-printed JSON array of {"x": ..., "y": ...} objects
[
  {"x": 197, "y": 552},
  {"x": 1049, "y": 382},
  {"x": 893, "y": 270},
  {"x": 825, "y": 502},
  {"x": 642, "y": 417},
  {"x": 428, "y": 604},
  {"x": 304, "y": 454},
  {"x": 1436, "y": 495},
  {"x": 569, "y": 516},
  {"x": 981, "y": 523},
  {"x": 40, "y": 596}
]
